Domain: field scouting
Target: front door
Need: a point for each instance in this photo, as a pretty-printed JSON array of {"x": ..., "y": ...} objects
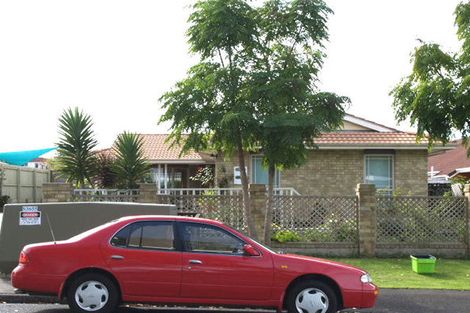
[
  {"x": 214, "y": 266},
  {"x": 144, "y": 258}
]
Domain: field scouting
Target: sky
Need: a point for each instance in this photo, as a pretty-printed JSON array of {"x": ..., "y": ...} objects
[{"x": 114, "y": 59}]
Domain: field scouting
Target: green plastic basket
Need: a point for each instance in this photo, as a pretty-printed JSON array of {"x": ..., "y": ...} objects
[{"x": 423, "y": 264}]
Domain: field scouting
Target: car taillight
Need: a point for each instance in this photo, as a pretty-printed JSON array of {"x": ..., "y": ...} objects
[{"x": 24, "y": 259}]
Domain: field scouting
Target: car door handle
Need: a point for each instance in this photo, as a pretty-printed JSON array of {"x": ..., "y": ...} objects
[
  {"x": 117, "y": 257},
  {"x": 195, "y": 261}
]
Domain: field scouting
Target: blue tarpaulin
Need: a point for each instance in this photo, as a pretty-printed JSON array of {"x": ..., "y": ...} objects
[{"x": 22, "y": 157}]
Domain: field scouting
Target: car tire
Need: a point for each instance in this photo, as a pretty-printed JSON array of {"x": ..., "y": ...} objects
[
  {"x": 311, "y": 296},
  {"x": 92, "y": 293}
]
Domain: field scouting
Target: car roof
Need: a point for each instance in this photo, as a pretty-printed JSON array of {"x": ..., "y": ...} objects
[{"x": 135, "y": 218}]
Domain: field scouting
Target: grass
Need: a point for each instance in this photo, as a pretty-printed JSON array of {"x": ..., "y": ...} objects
[{"x": 397, "y": 273}]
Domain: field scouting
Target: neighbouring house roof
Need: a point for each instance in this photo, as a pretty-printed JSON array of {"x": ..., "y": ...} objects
[
  {"x": 157, "y": 150},
  {"x": 447, "y": 162}
]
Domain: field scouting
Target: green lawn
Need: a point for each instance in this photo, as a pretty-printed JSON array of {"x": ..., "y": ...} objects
[{"x": 397, "y": 273}]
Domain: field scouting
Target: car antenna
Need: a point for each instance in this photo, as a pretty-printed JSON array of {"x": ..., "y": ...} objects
[{"x": 50, "y": 227}]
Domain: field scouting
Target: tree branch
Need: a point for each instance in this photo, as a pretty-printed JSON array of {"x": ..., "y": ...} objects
[{"x": 221, "y": 59}]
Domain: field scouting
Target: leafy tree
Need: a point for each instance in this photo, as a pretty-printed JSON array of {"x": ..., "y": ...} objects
[
  {"x": 210, "y": 103},
  {"x": 75, "y": 159},
  {"x": 436, "y": 95},
  {"x": 130, "y": 166},
  {"x": 255, "y": 84},
  {"x": 291, "y": 109},
  {"x": 204, "y": 175}
]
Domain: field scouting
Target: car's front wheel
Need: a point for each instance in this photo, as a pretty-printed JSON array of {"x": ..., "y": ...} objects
[
  {"x": 93, "y": 292},
  {"x": 312, "y": 297}
]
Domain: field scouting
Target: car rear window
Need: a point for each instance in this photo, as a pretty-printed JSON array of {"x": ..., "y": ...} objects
[{"x": 146, "y": 235}]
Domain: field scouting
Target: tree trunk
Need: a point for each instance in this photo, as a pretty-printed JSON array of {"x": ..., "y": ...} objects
[
  {"x": 269, "y": 206},
  {"x": 246, "y": 195}
]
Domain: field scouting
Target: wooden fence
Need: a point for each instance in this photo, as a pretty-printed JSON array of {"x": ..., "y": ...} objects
[{"x": 22, "y": 184}]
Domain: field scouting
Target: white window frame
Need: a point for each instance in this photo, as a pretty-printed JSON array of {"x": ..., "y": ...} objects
[
  {"x": 392, "y": 159},
  {"x": 253, "y": 171}
]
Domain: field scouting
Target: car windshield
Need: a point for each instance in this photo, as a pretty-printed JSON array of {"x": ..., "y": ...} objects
[
  {"x": 269, "y": 249},
  {"x": 91, "y": 231}
]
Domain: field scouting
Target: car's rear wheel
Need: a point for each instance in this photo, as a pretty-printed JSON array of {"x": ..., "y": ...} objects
[
  {"x": 312, "y": 297},
  {"x": 92, "y": 292}
]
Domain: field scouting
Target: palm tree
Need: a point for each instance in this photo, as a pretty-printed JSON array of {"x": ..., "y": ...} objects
[
  {"x": 75, "y": 160},
  {"x": 130, "y": 165}
]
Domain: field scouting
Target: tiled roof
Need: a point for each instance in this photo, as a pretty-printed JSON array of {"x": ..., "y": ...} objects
[
  {"x": 156, "y": 149},
  {"x": 369, "y": 138},
  {"x": 446, "y": 162}
]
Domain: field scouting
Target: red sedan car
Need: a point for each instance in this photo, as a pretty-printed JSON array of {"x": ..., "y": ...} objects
[{"x": 183, "y": 260}]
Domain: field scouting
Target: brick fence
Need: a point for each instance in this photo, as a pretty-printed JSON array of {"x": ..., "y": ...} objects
[{"x": 367, "y": 224}]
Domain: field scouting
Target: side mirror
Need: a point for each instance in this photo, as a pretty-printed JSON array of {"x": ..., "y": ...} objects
[{"x": 250, "y": 251}]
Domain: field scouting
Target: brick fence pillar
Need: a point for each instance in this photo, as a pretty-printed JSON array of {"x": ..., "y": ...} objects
[
  {"x": 466, "y": 191},
  {"x": 57, "y": 192},
  {"x": 148, "y": 193},
  {"x": 367, "y": 212},
  {"x": 258, "y": 207}
]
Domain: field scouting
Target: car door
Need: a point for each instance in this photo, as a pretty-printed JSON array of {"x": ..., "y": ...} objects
[
  {"x": 144, "y": 258},
  {"x": 215, "y": 267}
]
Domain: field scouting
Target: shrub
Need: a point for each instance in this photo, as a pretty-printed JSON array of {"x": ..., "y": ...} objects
[
  {"x": 3, "y": 201},
  {"x": 317, "y": 235},
  {"x": 286, "y": 236}
]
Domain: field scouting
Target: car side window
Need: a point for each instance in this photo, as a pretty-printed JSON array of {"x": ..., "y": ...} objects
[
  {"x": 210, "y": 239},
  {"x": 120, "y": 239},
  {"x": 146, "y": 235}
]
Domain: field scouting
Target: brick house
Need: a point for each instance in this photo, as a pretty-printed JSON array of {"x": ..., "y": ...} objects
[
  {"x": 169, "y": 168},
  {"x": 362, "y": 151}
]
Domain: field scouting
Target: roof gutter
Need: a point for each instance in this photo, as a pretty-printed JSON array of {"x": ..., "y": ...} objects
[
  {"x": 378, "y": 146},
  {"x": 181, "y": 162}
]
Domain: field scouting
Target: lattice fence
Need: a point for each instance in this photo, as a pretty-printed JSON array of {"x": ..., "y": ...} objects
[
  {"x": 421, "y": 220},
  {"x": 317, "y": 219},
  {"x": 224, "y": 208}
]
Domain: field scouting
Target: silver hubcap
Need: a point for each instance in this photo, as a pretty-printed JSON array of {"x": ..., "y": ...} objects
[
  {"x": 91, "y": 295},
  {"x": 311, "y": 300}
]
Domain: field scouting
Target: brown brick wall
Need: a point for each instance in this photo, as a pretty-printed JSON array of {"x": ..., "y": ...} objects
[
  {"x": 327, "y": 173},
  {"x": 411, "y": 168},
  {"x": 337, "y": 172}
]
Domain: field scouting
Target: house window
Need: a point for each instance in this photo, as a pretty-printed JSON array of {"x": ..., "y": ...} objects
[
  {"x": 379, "y": 171},
  {"x": 259, "y": 174}
]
